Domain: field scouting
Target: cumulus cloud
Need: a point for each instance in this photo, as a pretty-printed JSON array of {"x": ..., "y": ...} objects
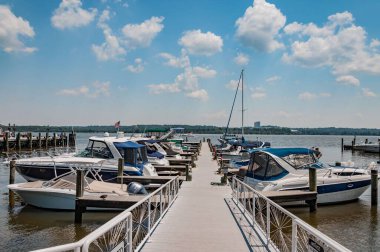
[
  {"x": 187, "y": 81},
  {"x": 142, "y": 35},
  {"x": 368, "y": 93},
  {"x": 307, "y": 96},
  {"x": 348, "y": 80},
  {"x": 338, "y": 44},
  {"x": 241, "y": 59},
  {"x": 258, "y": 93},
  {"x": 11, "y": 29},
  {"x": 199, "y": 94},
  {"x": 137, "y": 68},
  {"x": 232, "y": 84},
  {"x": 70, "y": 14},
  {"x": 95, "y": 90},
  {"x": 203, "y": 72},
  {"x": 164, "y": 88},
  {"x": 273, "y": 79},
  {"x": 111, "y": 48},
  {"x": 199, "y": 43},
  {"x": 258, "y": 28}
]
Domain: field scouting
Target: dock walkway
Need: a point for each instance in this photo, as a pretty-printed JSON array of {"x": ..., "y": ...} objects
[{"x": 200, "y": 219}]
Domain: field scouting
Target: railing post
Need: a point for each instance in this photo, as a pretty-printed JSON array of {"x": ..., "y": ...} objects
[
  {"x": 160, "y": 203},
  {"x": 130, "y": 233},
  {"x": 253, "y": 208},
  {"x": 294, "y": 235},
  {"x": 120, "y": 171},
  {"x": 313, "y": 188},
  {"x": 268, "y": 222}
]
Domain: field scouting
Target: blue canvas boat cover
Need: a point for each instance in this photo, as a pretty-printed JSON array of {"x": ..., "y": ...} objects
[
  {"x": 283, "y": 152},
  {"x": 128, "y": 144},
  {"x": 156, "y": 154}
]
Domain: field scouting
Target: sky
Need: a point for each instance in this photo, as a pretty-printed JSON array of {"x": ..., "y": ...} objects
[{"x": 306, "y": 63}]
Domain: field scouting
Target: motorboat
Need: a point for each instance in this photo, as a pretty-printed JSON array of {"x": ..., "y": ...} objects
[
  {"x": 60, "y": 193},
  {"x": 368, "y": 147},
  {"x": 108, "y": 148},
  {"x": 282, "y": 169}
]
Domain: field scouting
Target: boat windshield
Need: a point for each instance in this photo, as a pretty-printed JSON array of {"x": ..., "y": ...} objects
[
  {"x": 96, "y": 149},
  {"x": 300, "y": 161},
  {"x": 134, "y": 156},
  {"x": 264, "y": 167}
]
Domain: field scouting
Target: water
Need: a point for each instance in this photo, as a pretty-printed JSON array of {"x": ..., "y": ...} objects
[{"x": 355, "y": 225}]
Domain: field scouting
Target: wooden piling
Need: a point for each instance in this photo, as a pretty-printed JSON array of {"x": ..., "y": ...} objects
[
  {"x": 79, "y": 193},
  {"x": 30, "y": 140},
  {"x": 72, "y": 139},
  {"x": 374, "y": 185},
  {"x": 12, "y": 175},
  {"x": 188, "y": 175},
  {"x": 47, "y": 140},
  {"x": 192, "y": 161},
  {"x": 342, "y": 145},
  {"x": 18, "y": 141},
  {"x": 313, "y": 188},
  {"x": 55, "y": 139},
  {"x": 6, "y": 142},
  {"x": 39, "y": 140},
  {"x": 120, "y": 170}
]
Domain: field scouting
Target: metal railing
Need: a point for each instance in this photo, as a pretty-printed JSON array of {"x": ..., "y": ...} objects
[
  {"x": 278, "y": 228},
  {"x": 129, "y": 230}
]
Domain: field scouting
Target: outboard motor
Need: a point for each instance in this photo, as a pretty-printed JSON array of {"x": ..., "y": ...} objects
[{"x": 136, "y": 188}]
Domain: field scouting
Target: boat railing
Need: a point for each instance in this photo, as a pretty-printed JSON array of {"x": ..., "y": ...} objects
[
  {"x": 129, "y": 230},
  {"x": 278, "y": 228}
]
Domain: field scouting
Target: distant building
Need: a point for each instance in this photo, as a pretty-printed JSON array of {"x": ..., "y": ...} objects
[{"x": 257, "y": 124}]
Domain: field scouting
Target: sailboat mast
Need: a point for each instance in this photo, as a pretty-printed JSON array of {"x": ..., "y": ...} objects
[
  {"x": 242, "y": 102},
  {"x": 233, "y": 104}
]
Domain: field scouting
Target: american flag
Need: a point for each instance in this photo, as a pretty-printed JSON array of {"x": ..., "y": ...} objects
[{"x": 117, "y": 124}]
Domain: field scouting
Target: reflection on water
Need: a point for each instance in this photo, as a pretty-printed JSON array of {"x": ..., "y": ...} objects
[{"x": 355, "y": 224}]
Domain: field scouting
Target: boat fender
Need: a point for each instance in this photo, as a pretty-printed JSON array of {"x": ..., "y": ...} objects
[{"x": 136, "y": 188}]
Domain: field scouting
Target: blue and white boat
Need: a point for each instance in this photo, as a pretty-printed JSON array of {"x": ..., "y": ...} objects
[
  {"x": 282, "y": 169},
  {"x": 108, "y": 148}
]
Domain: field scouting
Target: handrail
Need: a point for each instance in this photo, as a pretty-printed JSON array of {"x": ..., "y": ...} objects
[
  {"x": 273, "y": 222},
  {"x": 166, "y": 194}
]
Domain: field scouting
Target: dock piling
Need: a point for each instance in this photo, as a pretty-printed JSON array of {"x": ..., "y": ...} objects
[
  {"x": 12, "y": 175},
  {"x": 47, "y": 140},
  {"x": 55, "y": 140},
  {"x": 342, "y": 145},
  {"x": 39, "y": 140},
  {"x": 120, "y": 170},
  {"x": 313, "y": 188},
  {"x": 18, "y": 141},
  {"x": 79, "y": 193},
  {"x": 374, "y": 185},
  {"x": 6, "y": 141},
  {"x": 72, "y": 139},
  {"x": 188, "y": 176},
  {"x": 30, "y": 140}
]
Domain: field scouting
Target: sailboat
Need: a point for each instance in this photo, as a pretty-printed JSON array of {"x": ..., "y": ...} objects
[{"x": 233, "y": 146}]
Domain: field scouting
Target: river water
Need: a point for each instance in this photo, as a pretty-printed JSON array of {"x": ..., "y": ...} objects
[{"x": 355, "y": 225}]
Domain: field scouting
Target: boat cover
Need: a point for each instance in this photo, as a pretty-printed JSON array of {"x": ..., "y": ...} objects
[
  {"x": 283, "y": 152},
  {"x": 128, "y": 144}
]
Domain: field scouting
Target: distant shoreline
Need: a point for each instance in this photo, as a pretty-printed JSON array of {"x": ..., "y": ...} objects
[{"x": 202, "y": 129}]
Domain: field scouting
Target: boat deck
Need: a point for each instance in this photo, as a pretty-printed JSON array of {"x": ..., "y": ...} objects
[{"x": 200, "y": 219}]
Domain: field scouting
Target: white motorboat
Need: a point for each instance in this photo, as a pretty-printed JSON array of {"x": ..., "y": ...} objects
[
  {"x": 60, "y": 193},
  {"x": 367, "y": 147},
  {"x": 109, "y": 148},
  {"x": 281, "y": 169}
]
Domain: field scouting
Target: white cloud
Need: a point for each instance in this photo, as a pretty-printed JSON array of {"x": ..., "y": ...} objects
[
  {"x": 307, "y": 96},
  {"x": 232, "y": 84},
  {"x": 11, "y": 28},
  {"x": 199, "y": 94},
  {"x": 348, "y": 80},
  {"x": 173, "y": 61},
  {"x": 273, "y": 79},
  {"x": 142, "y": 35},
  {"x": 260, "y": 25},
  {"x": 163, "y": 88},
  {"x": 70, "y": 14},
  {"x": 339, "y": 44},
  {"x": 200, "y": 43},
  {"x": 111, "y": 48},
  {"x": 368, "y": 93},
  {"x": 241, "y": 59},
  {"x": 204, "y": 73},
  {"x": 258, "y": 93},
  {"x": 97, "y": 89},
  {"x": 138, "y": 67},
  {"x": 374, "y": 43}
]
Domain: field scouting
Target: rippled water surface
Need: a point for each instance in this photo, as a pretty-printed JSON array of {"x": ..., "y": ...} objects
[{"x": 355, "y": 225}]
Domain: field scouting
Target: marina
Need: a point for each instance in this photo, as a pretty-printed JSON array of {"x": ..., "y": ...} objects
[{"x": 202, "y": 176}]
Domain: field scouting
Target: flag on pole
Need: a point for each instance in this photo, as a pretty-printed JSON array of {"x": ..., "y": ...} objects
[{"x": 117, "y": 124}]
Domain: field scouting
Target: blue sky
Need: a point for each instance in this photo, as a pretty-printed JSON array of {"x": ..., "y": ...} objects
[{"x": 306, "y": 63}]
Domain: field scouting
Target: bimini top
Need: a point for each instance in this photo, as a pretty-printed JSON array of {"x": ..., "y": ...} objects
[
  {"x": 128, "y": 144},
  {"x": 283, "y": 152}
]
